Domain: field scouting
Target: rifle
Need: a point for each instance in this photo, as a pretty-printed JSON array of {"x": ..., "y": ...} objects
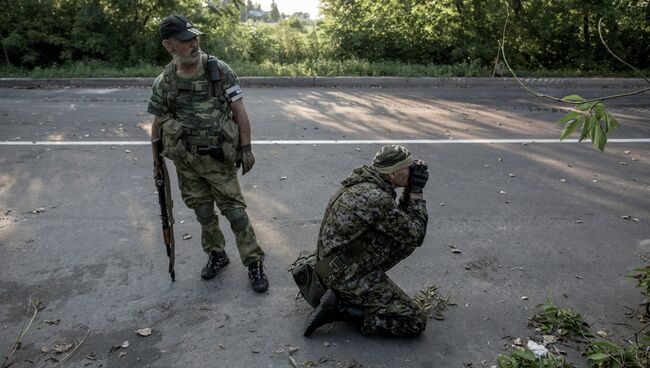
[{"x": 161, "y": 179}]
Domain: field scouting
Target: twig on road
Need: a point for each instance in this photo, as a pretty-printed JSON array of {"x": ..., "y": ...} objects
[{"x": 23, "y": 331}]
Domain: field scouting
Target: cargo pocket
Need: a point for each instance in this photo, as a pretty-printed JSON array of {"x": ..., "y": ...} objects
[
  {"x": 172, "y": 131},
  {"x": 230, "y": 145}
]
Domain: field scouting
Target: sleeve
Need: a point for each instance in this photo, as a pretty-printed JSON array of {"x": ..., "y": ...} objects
[
  {"x": 157, "y": 103},
  {"x": 230, "y": 83},
  {"x": 407, "y": 227}
]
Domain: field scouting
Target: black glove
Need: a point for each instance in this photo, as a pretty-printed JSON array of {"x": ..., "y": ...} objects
[{"x": 418, "y": 176}]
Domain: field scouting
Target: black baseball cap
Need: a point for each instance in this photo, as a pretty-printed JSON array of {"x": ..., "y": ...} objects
[{"x": 179, "y": 27}]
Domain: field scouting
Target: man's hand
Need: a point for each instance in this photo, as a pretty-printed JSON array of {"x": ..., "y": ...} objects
[
  {"x": 245, "y": 159},
  {"x": 418, "y": 176}
]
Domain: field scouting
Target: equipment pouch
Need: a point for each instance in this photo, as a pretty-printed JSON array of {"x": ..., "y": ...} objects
[
  {"x": 230, "y": 134},
  {"x": 172, "y": 131},
  {"x": 310, "y": 286}
]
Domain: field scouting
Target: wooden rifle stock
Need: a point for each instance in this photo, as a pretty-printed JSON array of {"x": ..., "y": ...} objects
[{"x": 161, "y": 179}]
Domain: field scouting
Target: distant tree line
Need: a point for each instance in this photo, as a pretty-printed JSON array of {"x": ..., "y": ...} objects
[{"x": 549, "y": 34}]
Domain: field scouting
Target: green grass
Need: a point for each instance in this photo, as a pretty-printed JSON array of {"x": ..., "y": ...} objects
[{"x": 327, "y": 68}]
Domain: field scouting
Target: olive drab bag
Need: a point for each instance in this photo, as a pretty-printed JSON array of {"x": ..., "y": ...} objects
[{"x": 227, "y": 130}]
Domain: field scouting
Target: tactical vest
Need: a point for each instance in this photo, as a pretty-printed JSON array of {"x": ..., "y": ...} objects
[{"x": 204, "y": 103}]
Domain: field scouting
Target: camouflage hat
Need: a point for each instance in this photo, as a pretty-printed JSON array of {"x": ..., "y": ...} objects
[{"x": 391, "y": 158}]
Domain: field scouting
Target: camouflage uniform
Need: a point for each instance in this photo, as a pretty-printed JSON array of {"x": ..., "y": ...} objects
[
  {"x": 366, "y": 212},
  {"x": 204, "y": 181}
]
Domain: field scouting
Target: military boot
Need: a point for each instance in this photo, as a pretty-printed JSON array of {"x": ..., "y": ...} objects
[
  {"x": 216, "y": 261},
  {"x": 257, "y": 276},
  {"x": 331, "y": 310}
]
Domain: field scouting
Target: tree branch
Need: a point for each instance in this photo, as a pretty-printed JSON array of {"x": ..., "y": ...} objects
[
  {"x": 602, "y": 40},
  {"x": 557, "y": 99}
]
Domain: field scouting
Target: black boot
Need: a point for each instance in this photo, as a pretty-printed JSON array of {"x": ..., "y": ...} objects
[
  {"x": 216, "y": 261},
  {"x": 257, "y": 276},
  {"x": 331, "y": 310}
]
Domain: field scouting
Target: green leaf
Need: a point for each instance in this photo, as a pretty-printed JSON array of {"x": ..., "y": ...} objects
[
  {"x": 586, "y": 129},
  {"x": 599, "y": 137},
  {"x": 525, "y": 354},
  {"x": 599, "y": 111},
  {"x": 570, "y": 116},
  {"x": 571, "y": 127},
  {"x": 598, "y": 356},
  {"x": 613, "y": 122},
  {"x": 572, "y": 98}
]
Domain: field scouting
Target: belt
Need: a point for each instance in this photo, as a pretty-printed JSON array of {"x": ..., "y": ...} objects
[
  {"x": 215, "y": 151},
  {"x": 334, "y": 263},
  {"x": 201, "y": 137}
]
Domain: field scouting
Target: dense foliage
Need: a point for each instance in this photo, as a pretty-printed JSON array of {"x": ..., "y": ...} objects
[{"x": 543, "y": 34}]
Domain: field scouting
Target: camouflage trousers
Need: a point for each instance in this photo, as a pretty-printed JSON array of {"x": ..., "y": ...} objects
[
  {"x": 388, "y": 309},
  {"x": 204, "y": 182}
]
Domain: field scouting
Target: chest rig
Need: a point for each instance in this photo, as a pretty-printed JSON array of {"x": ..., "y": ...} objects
[{"x": 198, "y": 98}]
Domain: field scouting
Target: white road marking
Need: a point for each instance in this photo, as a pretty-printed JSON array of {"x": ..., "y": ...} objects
[{"x": 330, "y": 142}]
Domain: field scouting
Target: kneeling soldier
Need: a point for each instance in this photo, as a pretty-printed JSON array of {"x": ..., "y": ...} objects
[{"x": 365, "y": 233}]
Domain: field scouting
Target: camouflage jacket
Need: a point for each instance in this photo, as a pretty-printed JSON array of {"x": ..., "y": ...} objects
[{"x": 367, "y": 212}]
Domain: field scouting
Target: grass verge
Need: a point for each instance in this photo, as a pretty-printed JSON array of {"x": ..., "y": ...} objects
[{"x": 326, "y": 68}]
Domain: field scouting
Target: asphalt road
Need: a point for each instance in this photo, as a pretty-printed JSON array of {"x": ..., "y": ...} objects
[{"x": 532, "y": 221}]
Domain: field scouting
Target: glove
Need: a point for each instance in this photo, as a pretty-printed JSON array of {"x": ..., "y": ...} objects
[
  {"x": 245, "y": 159},
  {"x": 418, "y": 177}
]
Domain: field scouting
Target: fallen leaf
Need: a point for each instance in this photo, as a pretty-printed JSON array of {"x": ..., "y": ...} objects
[
  {"x": 549, "y": 339},
  {"x": 518, "y": 342},
  {"x": 143, "y": 331},
  {"x": 61, "y": 347}
]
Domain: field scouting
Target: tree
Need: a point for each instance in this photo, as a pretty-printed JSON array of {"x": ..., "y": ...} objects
[{"x": 275, "y": 13}]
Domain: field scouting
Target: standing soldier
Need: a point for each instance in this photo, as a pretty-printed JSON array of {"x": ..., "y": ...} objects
[
  {"x": 365, "y": 233},
  {"x": 201, "y": 120}
]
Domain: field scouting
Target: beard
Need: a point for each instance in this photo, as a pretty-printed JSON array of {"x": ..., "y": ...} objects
[{"x": 189, "y": 60}]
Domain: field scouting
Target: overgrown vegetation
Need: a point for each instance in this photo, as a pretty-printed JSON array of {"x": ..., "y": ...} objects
[{"x": 431, "y": 38}]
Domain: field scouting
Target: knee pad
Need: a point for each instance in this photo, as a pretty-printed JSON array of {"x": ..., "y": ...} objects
[
  {"x": 205, "y": 213},
  {"x": 238, "y": 218}
]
